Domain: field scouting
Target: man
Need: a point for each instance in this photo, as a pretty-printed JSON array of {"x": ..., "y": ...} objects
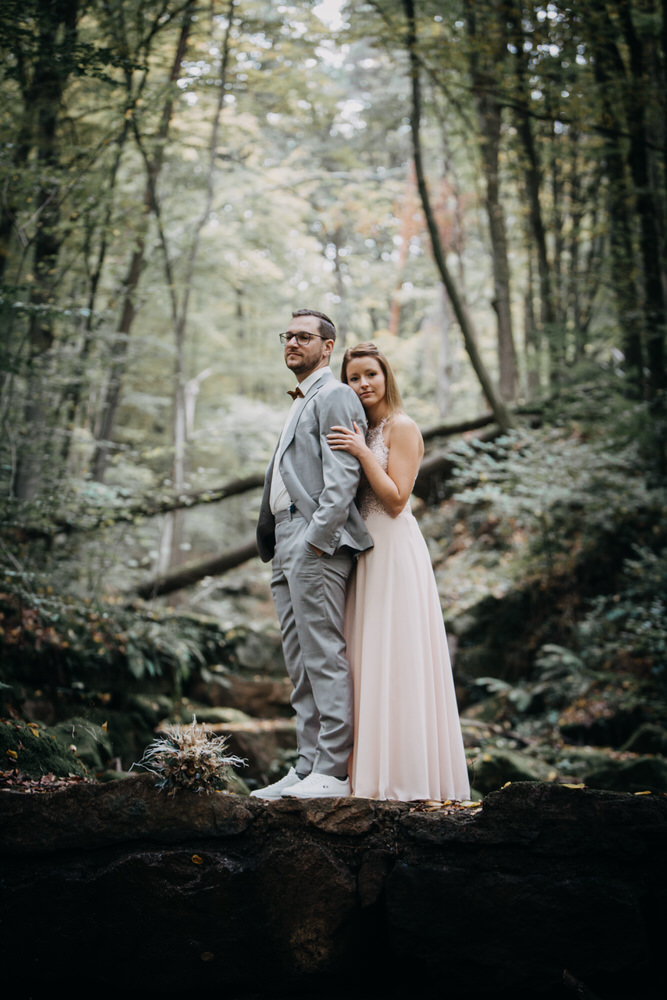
[{"x": 310, "y": 527}]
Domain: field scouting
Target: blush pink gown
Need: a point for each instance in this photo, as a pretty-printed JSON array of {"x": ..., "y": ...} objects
[{"x": 408, "y": 744}]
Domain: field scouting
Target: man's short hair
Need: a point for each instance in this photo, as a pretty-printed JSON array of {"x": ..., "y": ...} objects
[{"x": 327, "y": 329}]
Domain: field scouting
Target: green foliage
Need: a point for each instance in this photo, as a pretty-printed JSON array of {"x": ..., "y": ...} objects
[
  {"x": 607, "y": 687},
  {"x": 631, "y": 623},
  {"x": 312, "y": 202},
  {"x": 34, "y": 750},
  {"x": 558, "y": 678},
  {"x": 70, "y": 641},
  {"x": 563, "y": 489}
]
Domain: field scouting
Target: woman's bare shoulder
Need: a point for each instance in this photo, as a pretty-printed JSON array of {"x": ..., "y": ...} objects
[
  {"x": 403, "y": 429},
  {"x": 401, "y": 419}
]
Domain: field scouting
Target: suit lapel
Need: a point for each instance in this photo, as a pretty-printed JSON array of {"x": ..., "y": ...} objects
[{"x": 312, "y": 392}]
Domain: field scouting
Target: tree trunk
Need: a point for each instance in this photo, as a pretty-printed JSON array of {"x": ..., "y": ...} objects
[
  {"x": 57, "y": 40},
  {"x": 655, "y": 310},
  {"x": 496, "y": 403},
  {"x": 171, "y": 549},
  {"x": 609, "y": 73},
  {"x": 507, "y": 365},
  {"x": 113, "y": 25},
  {"x": 489, "y": 116},
  {"x": 119, "y": 350},
  {"x": 531, "y": 348},
  {"x": 533, "y": 183},
  {"x": 190, "y": 573}
]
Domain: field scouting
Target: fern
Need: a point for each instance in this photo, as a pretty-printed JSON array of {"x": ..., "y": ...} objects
[{"x": 554, "y": 485}]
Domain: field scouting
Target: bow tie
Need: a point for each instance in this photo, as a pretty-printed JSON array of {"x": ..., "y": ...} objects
[{"x": 297, "y": 392}]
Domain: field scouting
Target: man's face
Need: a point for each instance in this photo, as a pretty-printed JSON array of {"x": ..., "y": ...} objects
[{"x": 302, "y": 359}]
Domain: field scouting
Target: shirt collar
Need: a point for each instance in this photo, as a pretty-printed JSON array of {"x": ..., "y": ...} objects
[{"x": 313, "y": 378}]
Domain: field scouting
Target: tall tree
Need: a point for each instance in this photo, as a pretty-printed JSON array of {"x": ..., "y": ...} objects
[
  {"x": 173, "y": 535},
  {"x": 487, "y": 48},
  {"x": 154, "y": 161},
  {"x": 495, "y": 401},
  {"x": 44, "y": 63},
  {"x": 533, "y": 184}
]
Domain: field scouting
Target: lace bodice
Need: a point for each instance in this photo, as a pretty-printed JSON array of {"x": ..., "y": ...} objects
[{"x": 367, "y": 500}]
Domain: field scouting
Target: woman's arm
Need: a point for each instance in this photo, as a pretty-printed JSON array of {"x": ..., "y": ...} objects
[{"x": 406, "y": 448}]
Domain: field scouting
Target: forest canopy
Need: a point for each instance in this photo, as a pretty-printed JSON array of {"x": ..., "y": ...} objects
[{"x": 480, "y": 187}]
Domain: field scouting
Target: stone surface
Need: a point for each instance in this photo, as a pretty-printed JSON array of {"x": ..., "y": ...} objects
[
  {"x": 135, "y": 890},
  {"x": 494, "y": 767}
]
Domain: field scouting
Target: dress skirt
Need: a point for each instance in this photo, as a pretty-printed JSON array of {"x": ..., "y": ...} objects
[{"x": 408, "y": 744}]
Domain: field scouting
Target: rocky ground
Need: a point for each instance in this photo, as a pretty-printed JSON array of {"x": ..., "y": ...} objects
[
  {"x": 541, "y": 891},
  {"x": 549, "y": 883},
  {"x": 544, "y": 715}
]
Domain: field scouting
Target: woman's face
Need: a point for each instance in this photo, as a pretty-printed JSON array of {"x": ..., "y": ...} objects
[{"x": 366, "y": 377}]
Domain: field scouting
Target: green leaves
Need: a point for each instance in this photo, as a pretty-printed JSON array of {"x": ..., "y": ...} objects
[
  {"x": 79, "y": 640},
  {"x": 565, "y": 488}
]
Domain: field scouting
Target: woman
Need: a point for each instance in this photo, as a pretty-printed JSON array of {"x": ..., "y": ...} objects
[{"x": 408, "y": 743}]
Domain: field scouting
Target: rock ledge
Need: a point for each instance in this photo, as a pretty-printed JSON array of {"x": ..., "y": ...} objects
[{"x": 134, "y": 889}]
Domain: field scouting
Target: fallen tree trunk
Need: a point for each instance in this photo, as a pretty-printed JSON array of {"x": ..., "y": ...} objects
[
  {"x": 151, "y": 507},
  {"x": 192, "y": 572},
  {"x": 91, "y": 517},
  {"x": 448, "y": 430},
  {"x": 434, "y": 471},
  {"x": 182, "y": 501},
  {"x": 437, "y": 468}
]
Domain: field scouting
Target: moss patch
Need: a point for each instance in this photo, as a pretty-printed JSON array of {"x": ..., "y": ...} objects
[{"x": 35, "y": 751}]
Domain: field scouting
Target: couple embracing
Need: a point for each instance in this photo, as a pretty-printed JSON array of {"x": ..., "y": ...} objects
[{"x": 354, "y": 590}]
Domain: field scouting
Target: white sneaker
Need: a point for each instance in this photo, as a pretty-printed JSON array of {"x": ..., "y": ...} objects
[
  {"x": 275, "y": 790},
  {"x": 318, "y": 786}
]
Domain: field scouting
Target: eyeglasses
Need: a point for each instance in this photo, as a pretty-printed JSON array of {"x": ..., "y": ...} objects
[{"x": 301, "y": 338}]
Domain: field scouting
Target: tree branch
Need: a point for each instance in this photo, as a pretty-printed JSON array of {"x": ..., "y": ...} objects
[{"x": 192, "y": 572}]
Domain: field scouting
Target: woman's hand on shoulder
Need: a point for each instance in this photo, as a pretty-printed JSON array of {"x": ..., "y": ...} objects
[{"x": 344, "y": 439}]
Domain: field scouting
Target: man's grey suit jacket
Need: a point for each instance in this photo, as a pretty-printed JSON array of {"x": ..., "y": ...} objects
[{"x": 321, "y": 483}]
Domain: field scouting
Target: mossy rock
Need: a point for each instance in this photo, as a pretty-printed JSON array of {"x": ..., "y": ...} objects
[
  {"x": 648, "y": 739},
  {"x": 491, "y": 709},
  {"x": 35, "y": 751},
  {"x": 150, "y": 707},
  {"x": 494, "y": 767},
  {"x": 236, "y": 785},
  {"x": 207, "y": 714},
  {"x": 610, "y": 730},
  {"x": 91, "y": 741},
  {"x": 641, "y": 774},
  {"x": 259, "y": 650},
  {"x": 574, "y": 763}
]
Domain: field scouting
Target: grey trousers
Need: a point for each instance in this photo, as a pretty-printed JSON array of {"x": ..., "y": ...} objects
[{"x": 309, "y": 595}]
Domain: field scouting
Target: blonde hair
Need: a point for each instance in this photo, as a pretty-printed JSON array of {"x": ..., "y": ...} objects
[{"x": 392, "y": 394}]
